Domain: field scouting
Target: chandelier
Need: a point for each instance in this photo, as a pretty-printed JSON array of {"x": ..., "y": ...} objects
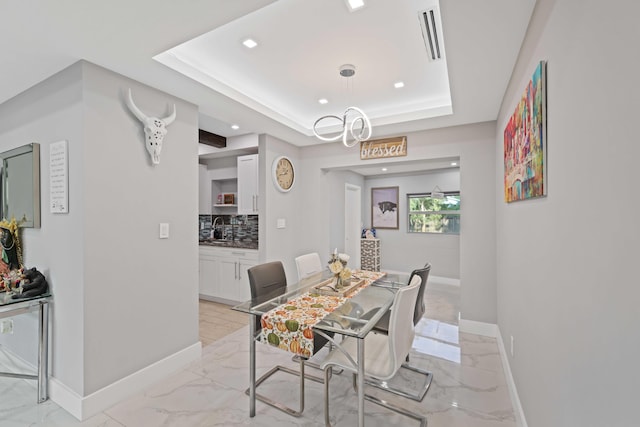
[{"x": 355, "y": 123}]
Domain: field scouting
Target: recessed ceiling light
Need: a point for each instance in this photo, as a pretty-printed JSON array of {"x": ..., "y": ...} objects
[
  {"x": 355, "y": 4},
  {"x": 323, "y": 101},
  {"x": 398, "y": 85},
  {"x": 454, "y": 164},
  {"x": 250, "y": 43},
  {"x": 235, "y": 127},
  {"x": 384, "y": 169}
]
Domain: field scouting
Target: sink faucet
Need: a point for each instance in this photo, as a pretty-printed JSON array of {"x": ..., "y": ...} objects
[{"x": 213, "y": 227}]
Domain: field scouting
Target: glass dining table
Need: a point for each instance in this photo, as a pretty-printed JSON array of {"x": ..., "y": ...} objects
[{"x": 373, "y": 300}]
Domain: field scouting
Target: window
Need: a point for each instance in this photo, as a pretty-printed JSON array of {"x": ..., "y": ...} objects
[{"x": 434, "y": 215}]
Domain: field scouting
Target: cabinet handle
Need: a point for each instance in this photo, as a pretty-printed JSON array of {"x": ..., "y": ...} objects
[{"x": 238, "y": 269}]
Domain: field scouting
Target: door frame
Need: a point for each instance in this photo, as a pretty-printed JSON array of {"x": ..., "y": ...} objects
[{"x": 353, "y": 216}]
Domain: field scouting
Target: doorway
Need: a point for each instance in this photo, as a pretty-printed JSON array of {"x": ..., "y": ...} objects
[{"x": 352, "y": 223}]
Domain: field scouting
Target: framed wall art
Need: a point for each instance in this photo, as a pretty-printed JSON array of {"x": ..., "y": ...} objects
[
  {"x": 525, "y": 142},
  {"x": 384, "y": 207}
]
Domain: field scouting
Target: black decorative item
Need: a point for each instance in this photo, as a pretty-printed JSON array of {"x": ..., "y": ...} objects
[{"x": 35, "y": 284}]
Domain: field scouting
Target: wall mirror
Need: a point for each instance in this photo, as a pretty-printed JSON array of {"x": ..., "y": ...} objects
[{"x": 20, "y": 188}]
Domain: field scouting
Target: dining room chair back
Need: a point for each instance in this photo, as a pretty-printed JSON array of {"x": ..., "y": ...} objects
[
  {"x": 420, "y": 305},
  {"x": 266, "y": 281},
  {"x": 383, "y": 324},
  {"x": 401, "y": 328},
  {"x": 308, "y": 265}
]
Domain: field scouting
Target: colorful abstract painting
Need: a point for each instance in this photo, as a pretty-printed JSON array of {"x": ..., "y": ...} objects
[{"x": 525, "y": 140}]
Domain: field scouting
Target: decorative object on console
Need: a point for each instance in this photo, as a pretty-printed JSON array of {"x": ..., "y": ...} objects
[
  {"x": 384, "y": 207},
  {"x": 11, "y": 247},
  {"x": 283, "y": 173},
  {"x": 370, "y": 254},
  {"x": 525, "y": 142},
  {"x": 368, "y": 233},
  {"x": 348, "y": 124},
  {"x": 34, "y": 284},
  {"x": 154, "y": 128},
  {"x": 11, "y": 282}
]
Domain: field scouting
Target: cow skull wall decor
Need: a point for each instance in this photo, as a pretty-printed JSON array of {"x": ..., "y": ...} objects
[{"x": 154, "y": 128}]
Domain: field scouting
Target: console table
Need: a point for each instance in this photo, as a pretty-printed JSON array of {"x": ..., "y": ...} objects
[{"x": 13, "y": 307}]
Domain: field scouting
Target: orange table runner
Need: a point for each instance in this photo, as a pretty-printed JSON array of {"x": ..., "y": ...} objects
[{"x": 290, "y": 325}]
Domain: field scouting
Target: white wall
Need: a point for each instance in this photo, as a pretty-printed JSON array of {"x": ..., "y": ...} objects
[
  {"x": 141, "y": 295},
  {"x": 282, "y": 244},
  {"x": 123, "y": 298},
  {"x": 441, "y": 250},
  {"x": 49, "y": 112},
  {"x": 567, "y": 278}
]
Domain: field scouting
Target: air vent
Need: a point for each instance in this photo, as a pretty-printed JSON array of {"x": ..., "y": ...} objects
[{"x": 430, "y": 23}]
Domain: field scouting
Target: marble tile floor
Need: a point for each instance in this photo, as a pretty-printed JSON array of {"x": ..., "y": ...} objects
[{"x": 469, "y": 388}]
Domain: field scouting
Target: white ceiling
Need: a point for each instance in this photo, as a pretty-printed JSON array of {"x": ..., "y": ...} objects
[{"x": 274, "y": 87}]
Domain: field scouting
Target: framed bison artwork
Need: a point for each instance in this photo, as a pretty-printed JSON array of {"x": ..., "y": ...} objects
[{"x": 384, "y": 207}]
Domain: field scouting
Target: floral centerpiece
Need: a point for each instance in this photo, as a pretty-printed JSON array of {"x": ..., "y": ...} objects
[{"x": 338, "y": 266}]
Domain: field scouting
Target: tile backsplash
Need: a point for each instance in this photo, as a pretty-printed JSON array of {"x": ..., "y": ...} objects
[{"x": 231, "y": 227}]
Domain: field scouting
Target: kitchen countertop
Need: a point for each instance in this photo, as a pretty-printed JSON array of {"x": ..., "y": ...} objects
[{"x": 235, "y": 244}]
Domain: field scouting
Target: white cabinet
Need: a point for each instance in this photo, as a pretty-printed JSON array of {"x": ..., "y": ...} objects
[
  {"x": 204, "y": 190},
  {"x": 233, "y": 275},
  {"x": 223, "y": 273},
  {"x": 228, "y": 278},
  {"x": 248, "y": 184},
  {"x": 208, "y": 273}
]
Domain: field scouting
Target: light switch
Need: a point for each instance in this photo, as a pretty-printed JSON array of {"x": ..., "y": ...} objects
[
  {"x": 164, "y": 230},
  {"x": 281, "y": 223}
]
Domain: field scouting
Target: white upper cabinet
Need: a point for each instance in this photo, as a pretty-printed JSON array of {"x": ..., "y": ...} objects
[
  {"x": 248, "y": 184},
  {"x": 204, "y": 190}
]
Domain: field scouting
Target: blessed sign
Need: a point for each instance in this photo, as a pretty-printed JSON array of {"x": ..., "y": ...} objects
[{"x": 383, "y": 148}]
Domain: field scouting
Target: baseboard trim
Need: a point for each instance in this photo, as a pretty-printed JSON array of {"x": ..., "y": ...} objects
[
  {"x": 478, "y": 328},
  {"x": 521, "y": 421},
  {"x": 85, "y": 407}
]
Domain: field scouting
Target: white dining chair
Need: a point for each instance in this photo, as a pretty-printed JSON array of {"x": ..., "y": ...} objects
[
  {"x": 384, "y": 354},
  {"x": 383, "y": 327},
  {"x": 308, "y": 265}
]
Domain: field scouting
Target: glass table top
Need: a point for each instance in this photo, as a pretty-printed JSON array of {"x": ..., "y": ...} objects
[
  {"x": 356, "y": 317},
  {"x": 7, "y": 302}
]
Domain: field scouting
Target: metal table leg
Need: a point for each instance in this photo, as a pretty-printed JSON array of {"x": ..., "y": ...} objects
[
  {"x": 361, "y": 382},
  {"x": 252, "y": 368},
  {"x": 43, "y": 352}
]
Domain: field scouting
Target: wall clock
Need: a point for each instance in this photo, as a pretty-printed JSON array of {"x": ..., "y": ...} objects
[{"x": 283, "y": 173}]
